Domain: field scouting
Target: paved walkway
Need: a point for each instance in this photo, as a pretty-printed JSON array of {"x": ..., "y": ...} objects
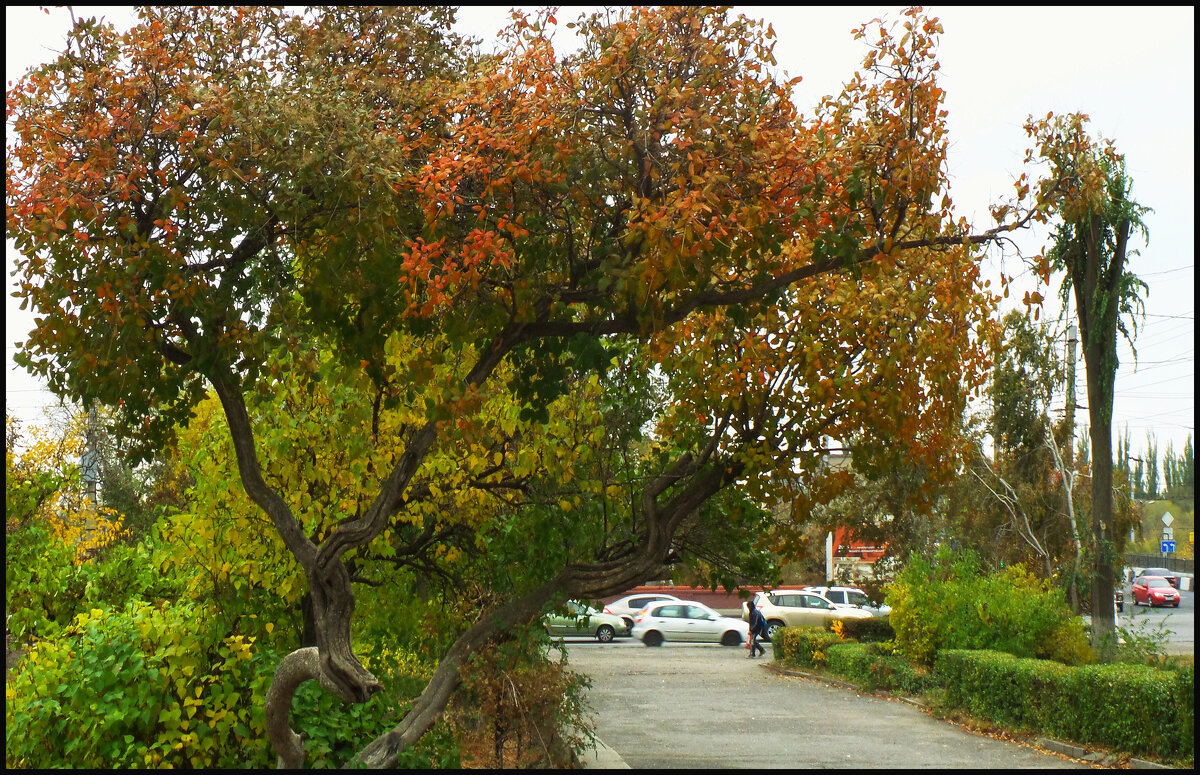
[{"x": 699, "y": 706}]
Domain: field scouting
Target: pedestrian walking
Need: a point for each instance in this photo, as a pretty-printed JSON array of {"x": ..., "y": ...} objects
[{"x": 758, "y": 628}]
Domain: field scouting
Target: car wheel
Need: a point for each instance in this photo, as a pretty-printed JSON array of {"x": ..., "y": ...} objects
[
  {"x": 605, "y": 633},
  {"x": 652, "y": 638},
  {"x": 773, "y": 627},
  {"x": 731, "y": 638}
]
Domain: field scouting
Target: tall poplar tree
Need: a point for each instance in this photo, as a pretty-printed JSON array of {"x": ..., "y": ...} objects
[
  {"x": 1091, "y": 193},
  {"x": 1151, "y": 486}
]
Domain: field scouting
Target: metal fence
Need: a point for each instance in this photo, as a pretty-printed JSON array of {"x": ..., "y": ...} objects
[{"x": 1158, "y": 561}]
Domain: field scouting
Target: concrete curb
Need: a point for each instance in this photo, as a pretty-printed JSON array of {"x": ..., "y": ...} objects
[
  {"x": 841, "y": 684},
  {"x": 603, "y": 758},
  {"x": 1100, "y": 758}
]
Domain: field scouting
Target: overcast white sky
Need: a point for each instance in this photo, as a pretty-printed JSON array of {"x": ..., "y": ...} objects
[{"x": 1131, "y": 69}]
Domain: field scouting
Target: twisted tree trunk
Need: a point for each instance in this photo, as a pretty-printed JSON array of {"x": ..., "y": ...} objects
[{"x": 577, "y": 581}]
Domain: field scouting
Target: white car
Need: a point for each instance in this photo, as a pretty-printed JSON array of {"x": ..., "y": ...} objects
[
  {"x": 630, "y": 606},
  {"x": 687, "y": 622},
  {"x": 851, "y": 597}
]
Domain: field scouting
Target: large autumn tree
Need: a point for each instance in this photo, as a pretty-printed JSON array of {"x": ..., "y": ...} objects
[{"x": 205, "y": 198}]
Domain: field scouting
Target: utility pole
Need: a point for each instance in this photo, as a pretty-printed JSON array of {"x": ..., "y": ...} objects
[
  {"x": 90, "y": 463},
  {"x": 1072, "y": 339},
  {"x": 89, "y": 469}
]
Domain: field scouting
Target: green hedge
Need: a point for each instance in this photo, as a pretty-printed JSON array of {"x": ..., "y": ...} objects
[
  {"x": 1134, "y": 708},
  {"x": 863, "y": 664},
  {"x": 802, "y": 646}
]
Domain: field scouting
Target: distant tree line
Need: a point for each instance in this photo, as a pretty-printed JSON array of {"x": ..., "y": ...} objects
[{"x": 1178, "y": 480}]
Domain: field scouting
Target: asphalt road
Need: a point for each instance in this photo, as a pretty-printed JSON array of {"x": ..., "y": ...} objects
[
  {"x": 706, "y": 706},
  {"x": 1178, "y": 625}
]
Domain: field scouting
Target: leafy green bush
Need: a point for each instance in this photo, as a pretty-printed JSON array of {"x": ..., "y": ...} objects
[
  {"x": 45, "y": 589},
  {"x": 160, "y": 686},
  {"x": 1144, "y": 644},
  {"x": 143, "y": 686},
  {"x": 1133, "y": 708},
  {"x": 802, "y": 646},
  {"x": 335, "y": 731},
  {"x": 953, "y": 604},
  {"x": 863, "y": 664}
]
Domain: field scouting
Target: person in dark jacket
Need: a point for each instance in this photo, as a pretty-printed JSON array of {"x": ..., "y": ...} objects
[{"x": 758, "y": 628}]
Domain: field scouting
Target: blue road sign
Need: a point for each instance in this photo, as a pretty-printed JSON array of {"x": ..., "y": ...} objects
[{"x": 1168, "y": 547}]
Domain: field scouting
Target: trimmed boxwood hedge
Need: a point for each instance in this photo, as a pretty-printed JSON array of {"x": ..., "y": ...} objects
[
  {"x": 863, "y": 664},
  {"x": 802, "y": 646},
  {"x": 1134, "y": 708}
]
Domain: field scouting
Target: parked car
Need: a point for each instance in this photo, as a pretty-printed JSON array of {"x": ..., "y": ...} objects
[
  {"x": 1119, "y": 600},
  {"x": 687, "y": 621},
  {"x": 851, "y": 597},
  {"x": 584, "y": 620},
  {"x": 1154, "y": 590},
  {"x": 629, "y": 606},
  {"x": 1171, "y": 576},
  {"x": 797, "y": 608}
]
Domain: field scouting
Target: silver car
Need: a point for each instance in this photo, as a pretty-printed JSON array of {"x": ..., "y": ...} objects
[
  {"x": 798, "y": 608},
  {"x": 631, "y": 605},
  {"x": 851, "y": 597},
  {"x": 584, "y": 620},
  {"x": 687, "y": 622}
]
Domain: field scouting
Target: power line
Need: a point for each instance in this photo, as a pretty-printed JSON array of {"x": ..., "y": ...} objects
[
  {"x": 1138, "y": 371},
  {"x": 1175, "y": 326},
  {"x": 1168, "y": 271},
  {"x": 1179, "y": 359},
  {"x": 1151, "y": 344},
  {"x": 1168, "y": 379}
]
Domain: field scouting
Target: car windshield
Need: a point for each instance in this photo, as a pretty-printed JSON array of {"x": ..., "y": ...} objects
[{"x": 1157, "y": 583}]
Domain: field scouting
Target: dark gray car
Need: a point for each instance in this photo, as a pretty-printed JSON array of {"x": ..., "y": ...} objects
[{"x": 1169, "y": 575}]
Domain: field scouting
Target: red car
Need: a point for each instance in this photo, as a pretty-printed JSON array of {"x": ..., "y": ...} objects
[{"x": 1154, "y": 590}]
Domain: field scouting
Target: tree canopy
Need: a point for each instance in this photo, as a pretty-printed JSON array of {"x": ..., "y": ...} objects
[{"x": 444, "y": 251}]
